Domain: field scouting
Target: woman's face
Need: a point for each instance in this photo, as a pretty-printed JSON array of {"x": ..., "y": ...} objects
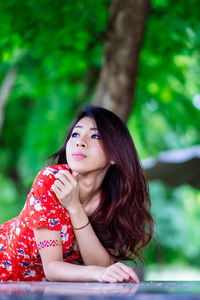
[{"x": 84, "y": 152}]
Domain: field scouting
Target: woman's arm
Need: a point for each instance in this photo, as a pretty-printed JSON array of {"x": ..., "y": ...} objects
[
  {"x": 55, "y": 269},
  {"x": 92, "y": 251},
  {"x": 67, "y": 191}
]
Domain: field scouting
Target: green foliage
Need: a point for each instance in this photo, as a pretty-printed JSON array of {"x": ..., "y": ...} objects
[
  {"x": 52, "y": 45},
  {"x": 8, "y": 204},
  {"x": 176, "y": 213},
  {"x": 168, "y": 79}
]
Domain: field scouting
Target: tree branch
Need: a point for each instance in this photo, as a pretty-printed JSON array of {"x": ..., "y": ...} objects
[{"x": 5, "y": 91}]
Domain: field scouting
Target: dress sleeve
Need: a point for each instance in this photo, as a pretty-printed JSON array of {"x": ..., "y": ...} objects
[{"x": 42, "y": 206}]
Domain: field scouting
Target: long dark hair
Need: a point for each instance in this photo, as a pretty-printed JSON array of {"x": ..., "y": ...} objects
[{"x": 122, "y": 221}]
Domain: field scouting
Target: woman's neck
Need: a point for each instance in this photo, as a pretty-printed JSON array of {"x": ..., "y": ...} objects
[{"x": 90, "y": 187}]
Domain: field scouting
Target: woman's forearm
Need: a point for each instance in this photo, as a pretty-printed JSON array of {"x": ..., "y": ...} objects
[
  {"x": 92, "y": 251},
  {"x": 63, "y": 271}
]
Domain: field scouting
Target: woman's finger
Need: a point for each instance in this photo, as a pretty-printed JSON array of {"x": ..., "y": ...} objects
[
  {"x": 62, "y": 178},
  {"x": 118, "y": 276},
  {"x": 59, "y": 184},
  {"x": 107, "y": 277},
  {"x": 56, "y": 190},
  {"x": 115, "y": 272},
  {"x": 69, "y": 176},
  {"x": 122, "y": 273},
  {"x": 75, "y": 174},
  {"x": 116, "y": 268},
  {"x": 111, "y": 279},
  {"x": 129, "y": 271}
]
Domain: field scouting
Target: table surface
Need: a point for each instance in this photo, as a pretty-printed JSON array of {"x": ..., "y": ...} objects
[{"x": 157, "y": 290}]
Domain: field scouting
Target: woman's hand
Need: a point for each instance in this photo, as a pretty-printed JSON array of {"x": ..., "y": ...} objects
[
  {"x": 117, "y": 272},
  {"x": 66, "y": 189}
]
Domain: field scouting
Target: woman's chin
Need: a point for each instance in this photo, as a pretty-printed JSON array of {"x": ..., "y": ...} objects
[{"x": 80, "y": 171}]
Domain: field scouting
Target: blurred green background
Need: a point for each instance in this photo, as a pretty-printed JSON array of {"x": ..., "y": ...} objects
[{"x": 53, "y": 50}]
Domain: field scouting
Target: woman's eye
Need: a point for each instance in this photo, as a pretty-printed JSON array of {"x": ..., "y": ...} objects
[
  {"x": 74, "y": 134},
  {"x": 96, "y": 136}
]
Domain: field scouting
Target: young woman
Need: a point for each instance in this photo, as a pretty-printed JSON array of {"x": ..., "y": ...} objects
[{"x": 85, "y": 212}]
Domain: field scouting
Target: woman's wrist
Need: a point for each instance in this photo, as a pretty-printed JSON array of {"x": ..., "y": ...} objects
[
  {"x": 75, "y": 209},
  {"x": 78, "y": 217},
  {"x": 96, "y": 272}
]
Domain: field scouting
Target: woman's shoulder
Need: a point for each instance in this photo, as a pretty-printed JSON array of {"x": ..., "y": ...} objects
[
  {"x": 52, "y": 170},
  {"x": 46, "y": 176},
  {"x": 41, "y": 191},
  {"x": 42, "y": 208}
]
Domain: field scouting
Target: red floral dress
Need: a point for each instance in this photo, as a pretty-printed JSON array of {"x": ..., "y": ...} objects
[{"x": 19, "y": 256}]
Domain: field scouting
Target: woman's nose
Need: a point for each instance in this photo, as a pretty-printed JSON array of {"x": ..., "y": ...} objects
[{"x": 81, "y": 144}]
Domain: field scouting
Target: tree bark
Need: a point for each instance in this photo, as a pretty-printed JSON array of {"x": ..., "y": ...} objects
[{"x": 116, "y": 85}]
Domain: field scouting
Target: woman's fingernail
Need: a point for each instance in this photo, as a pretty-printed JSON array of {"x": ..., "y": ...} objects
[{"x": 74, "y": 174}]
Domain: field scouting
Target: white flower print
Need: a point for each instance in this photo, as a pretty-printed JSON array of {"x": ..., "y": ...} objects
[
  {"x": 38, "y": 207},
  {"x": 36, "y": 203},
  {"x": 47, "y": 172},
  {"x": 64, "y": 234},
  {"x": 17, "y": 230}
]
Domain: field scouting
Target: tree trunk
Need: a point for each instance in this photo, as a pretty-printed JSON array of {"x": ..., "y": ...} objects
[{"x": 116, "y": 85}]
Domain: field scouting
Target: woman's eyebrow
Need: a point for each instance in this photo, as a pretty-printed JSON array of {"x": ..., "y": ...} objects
[{"x": 79, "y": 126}]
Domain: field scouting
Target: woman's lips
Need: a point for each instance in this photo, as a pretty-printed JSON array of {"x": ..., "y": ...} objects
[{"x": 79, "y": 155}]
